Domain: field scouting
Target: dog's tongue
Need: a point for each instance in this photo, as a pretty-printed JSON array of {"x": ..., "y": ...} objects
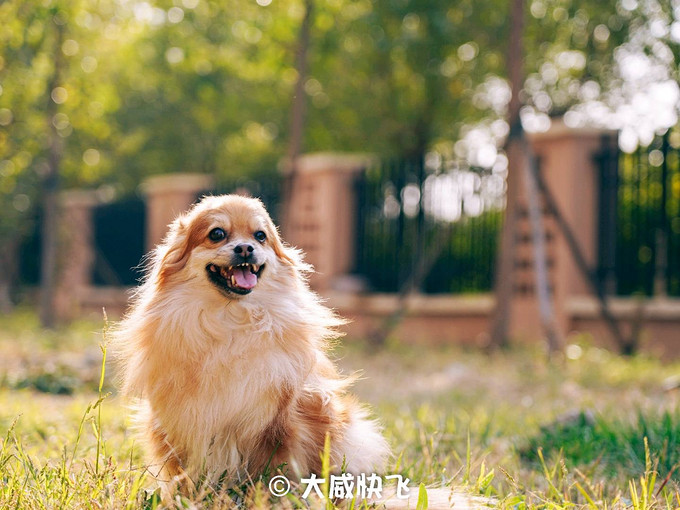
[{"x": 245, "y": 278}]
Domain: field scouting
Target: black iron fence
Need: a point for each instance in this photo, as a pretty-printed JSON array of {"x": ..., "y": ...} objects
[
  {"x": 119, "y": 241},
  {"x": 640, "y": 219},
  {"x": 30, "y": 251},
  {"x": 120, "y": 226},
  {"x": 432, "y": 224},
  {"x": 118, "y": 248},
  {"x": 119, "y": 231}
]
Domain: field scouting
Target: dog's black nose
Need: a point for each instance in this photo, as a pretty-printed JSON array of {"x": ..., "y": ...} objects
[{"x": 245, "y": 250}]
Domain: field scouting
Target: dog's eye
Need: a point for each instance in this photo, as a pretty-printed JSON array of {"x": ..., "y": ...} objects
[
  {"x": 217, "y": 234},
  {"x": 260, "y": 236}
]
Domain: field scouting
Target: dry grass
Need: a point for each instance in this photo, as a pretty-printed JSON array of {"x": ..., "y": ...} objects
[{"x": 589, "y": 430}]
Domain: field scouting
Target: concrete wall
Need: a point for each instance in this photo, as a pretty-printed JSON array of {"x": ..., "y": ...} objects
[
  {"x": 465, "y": 320},
  {"x": 569, "y": 169},
  {"x": 166, "y": 197},
  {"x": 320, "y": 218},
  {"x": 76, "y": 252},
  {"x": 322, "y": 214}
]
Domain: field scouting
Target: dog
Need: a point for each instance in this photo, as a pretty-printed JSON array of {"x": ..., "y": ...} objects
[{"x": 225, "y": 348}]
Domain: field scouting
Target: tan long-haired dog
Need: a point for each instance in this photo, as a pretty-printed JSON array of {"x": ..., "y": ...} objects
[{"x": 225, "y": 347}]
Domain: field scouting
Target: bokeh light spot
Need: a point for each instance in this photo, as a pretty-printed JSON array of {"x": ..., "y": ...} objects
[
  {"x": 91, "y": 157},
  {"x": 6, "y": 116},
  {"x": 174, "y": 55},
  {"x": 70, "y": 47},
  {"x": 655, "y": 157},
  {"x": 313, "y": 87},
  {"x": 88, "y": 64},
  {"x": 21, "y": 202},
  {"x": 59, "y": 95},
  {"x": 601, "y": 33},
  {"x": 61, "y": 121},
  {"x": 538, "y": 9},
  {"x": 573, "y": 351},
  {"x": 467, "y": 51},
  {"x": 175, "y": 15},
  {"x": 7, "y": 168}
]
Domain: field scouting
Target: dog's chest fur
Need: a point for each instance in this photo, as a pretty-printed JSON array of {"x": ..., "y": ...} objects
[{"x": 231, "y": 375}]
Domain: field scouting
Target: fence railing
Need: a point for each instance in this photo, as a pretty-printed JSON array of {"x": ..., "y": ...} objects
[
  {"x": 435, "y": 223},
  {"x": 435, "y": 218},
  {"x": 119, "y": 235},
  {"x": 640, "y": 241}
]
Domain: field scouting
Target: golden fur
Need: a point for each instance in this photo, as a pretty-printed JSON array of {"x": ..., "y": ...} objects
[{"x": 227, "y": 384}]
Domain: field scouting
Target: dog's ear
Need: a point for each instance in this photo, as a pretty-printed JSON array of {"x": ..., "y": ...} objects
[
  {"x": 184, "y": 236},
  {"x": 277, "y": 244}
]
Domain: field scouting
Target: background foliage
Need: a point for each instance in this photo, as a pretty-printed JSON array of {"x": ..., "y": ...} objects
[
  {"x": 195, "y": 85},
  {"x": 134, "y": 88}
]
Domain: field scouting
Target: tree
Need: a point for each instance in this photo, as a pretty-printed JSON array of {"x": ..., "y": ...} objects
[
  {"x": 299, "y": 102},
  {"x": 55, "y": 94},
  {"x": 399, "y": 76},
  {"x": 206, "y": 86},
  {"x": 503, "y": 285},
  {"x": 25, "y": 77},
  {"x": 565, "y": 73},
  {"x": 49, "y": 86}
]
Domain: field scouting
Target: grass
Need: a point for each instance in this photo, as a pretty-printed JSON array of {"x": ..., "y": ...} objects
[{"x": 590, "y": 430}]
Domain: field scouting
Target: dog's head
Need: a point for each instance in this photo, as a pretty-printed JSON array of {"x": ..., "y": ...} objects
[{"x": 229, "y": 240}]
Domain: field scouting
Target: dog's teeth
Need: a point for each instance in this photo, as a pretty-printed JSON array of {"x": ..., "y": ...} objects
[
  {"x": 254, "y": 268},
  {"x": 233, "y": 281},
  {"x": 213, "y": 268}
]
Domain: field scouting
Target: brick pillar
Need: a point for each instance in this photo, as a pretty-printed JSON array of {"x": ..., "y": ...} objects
[
  {"x": 320, "y": 217},
  {"x": 569, "y": 169},
  {"x": 76, "y": 251},
  {"x": 166, "y": 197}
]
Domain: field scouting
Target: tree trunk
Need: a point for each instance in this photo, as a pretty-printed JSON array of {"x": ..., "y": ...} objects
[
  {"x": 299, "y": 106},
  {"x": 503, "y": 285},
  {"x": 521, "y": 165},
  {"x": 297, "y": 113},
  {"x": 505, "y": 258},
  {"x": 50, "y": 190},
  {"x": 8, "y": 262}
]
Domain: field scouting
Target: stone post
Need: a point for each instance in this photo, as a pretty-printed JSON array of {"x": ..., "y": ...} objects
[
  {"x": 569, "y": 169},
  {"x": 166, "y": 197},
  {"x": 320, "y": 217},
  {"x": 76, "y": 251}
]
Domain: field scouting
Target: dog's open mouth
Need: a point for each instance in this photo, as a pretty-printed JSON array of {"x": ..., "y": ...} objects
[{"x": 240, "y": 279}]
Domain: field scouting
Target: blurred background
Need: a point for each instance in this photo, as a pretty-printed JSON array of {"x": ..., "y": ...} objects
[
  {"x": 462, "y": 174},
  {"x": 378, "y": 135}
]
